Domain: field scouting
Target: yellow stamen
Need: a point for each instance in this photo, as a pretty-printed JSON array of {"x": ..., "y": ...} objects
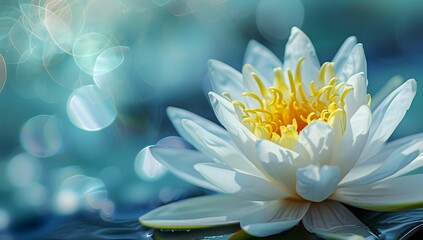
[
  {"x": 227, "y": 95},
  {"x": 287, "y": 107},
  {"x": 260, "y": 84},
  {"x": 253, "y": 95}
]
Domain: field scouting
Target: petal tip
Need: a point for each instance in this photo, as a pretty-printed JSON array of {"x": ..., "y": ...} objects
[
  {"x": 295, "y": 29},
  {"x": 171, "y": 111},
  {"x": 252, "y": 43},
  {"x": 213, "y": 64}
]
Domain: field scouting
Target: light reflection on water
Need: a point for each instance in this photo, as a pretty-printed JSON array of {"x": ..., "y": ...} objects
[{"x": 404, "y": 225}]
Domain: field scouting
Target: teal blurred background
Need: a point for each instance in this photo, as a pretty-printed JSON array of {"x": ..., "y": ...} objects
[{"x": 85, "y": 85}]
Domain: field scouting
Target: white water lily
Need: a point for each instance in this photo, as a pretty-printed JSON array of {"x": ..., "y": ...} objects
[{"x": 298, "y": 141}]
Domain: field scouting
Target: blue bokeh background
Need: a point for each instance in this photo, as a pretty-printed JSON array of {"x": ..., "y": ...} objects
[{"x": 86, "y": 84}]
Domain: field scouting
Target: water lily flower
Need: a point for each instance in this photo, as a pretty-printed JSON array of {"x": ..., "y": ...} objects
[{"x": 299, "y": 140}]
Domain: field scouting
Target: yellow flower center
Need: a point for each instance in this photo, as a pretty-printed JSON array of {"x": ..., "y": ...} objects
[{"x": 286, "y": 108}]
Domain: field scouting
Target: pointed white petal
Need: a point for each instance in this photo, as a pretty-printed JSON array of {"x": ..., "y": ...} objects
[
  {"x": 218, "y": 148},
  {"x": 261, "y": 58},
  {"x": 199, "y": 212},
  {"x": 223, "y": 78},
  {"x": 387, "y": 117},
  {"x": 355, "y": 63},
  {"x": 395, "y": 162},
  {"x": 274, "y": 217},
  {"x": 279, "y": 163},
  {"x": 394, "y": 194},
  {"x": 353, "y": 141},
  {"x": 371, "y": 164},
  {"x": 298, "y": 46},
  {"x": 181, "y": 163},
  {"x": 174, "y": 142},
  {"x": 332, "y": 220},
  {"x": 315, "y": 142},
  {"x": 317, "y": 183},
  {"x": 387, "y": 89},
  {"x": 243, "y": 138},
  {"x": 358, "y": 96},
  {"x": 176, "y": 115},
  {"x": 243, "y": 185},
  {"x": 343, "y": 53}
]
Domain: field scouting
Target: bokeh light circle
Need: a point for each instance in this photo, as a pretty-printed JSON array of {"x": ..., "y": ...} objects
[
  {"x": 41, "y": 136},
  {"x": 275, "y": 18},
  {"x": 80, "y": 192},
  {"x": 34, "y": 194},
  {"x": 89, "y": 108},
  {"x": 23, "y": 169},
  {"x": 67, "y": 202},
  {"x": 147, "y": 167},
  {"x": 87, "y": 48},
  {"x": 111, "y": 67}
]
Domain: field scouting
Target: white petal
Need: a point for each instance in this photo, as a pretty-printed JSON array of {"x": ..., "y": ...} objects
[
  {"x": 387, "y": 117},
  {"x": 358, "y": 96},
  {"x": 317, "y": 183},
  {"x": 279, "y": 163},
  {"x": 174, "y": 142},
  {"x": 261, "y": 58},
  {"x": 298, "y": 46},
  {"x": 223, "y": 78},
  {"x": 315, "y": 142},
  {"x": 353, "y": 141},
  {"x": 181, "y": 163},
  {"x": 387, "y": 89},
  {"x": 176, "y": 115},
  {"x": 396, "y": 161},
  {"x": 355, "y": 63},
  {"x": 371, "y": 164},
  {"x": 274, "y": 217},
  {"x": 332, "y": 220},
  {"x": 343, "y": 53},
  {"x": 394, "y": 194},
  {"x": 245, "y": 186},
  {"x": 243, "y": 138},
  {"x": 198, "y": 212},
  {"x": 218, "y": 148}
]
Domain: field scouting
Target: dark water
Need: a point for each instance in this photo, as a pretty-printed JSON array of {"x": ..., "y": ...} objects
[{"x": 405, "y": 225}]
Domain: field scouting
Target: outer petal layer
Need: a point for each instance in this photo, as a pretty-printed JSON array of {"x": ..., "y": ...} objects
[
  {"x": 395, "y": 162},
  {"x": 181, "y": 163},
  {"x": 274, "y": 217},
  {"x": 241, "y": 136},
  {"x": 331, "y": 220},
  {"x": 387, "y": 116},
  {"x": 219, "y": 149},
  {"x": 199, "y": 212},
  {"x": 176, "y": 115},
  {"x": 400, "y": 193},
  {"x": 245, "y": 186}
]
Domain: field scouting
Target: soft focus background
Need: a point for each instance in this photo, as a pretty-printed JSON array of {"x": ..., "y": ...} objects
[{"x": 85, "y": 84}]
